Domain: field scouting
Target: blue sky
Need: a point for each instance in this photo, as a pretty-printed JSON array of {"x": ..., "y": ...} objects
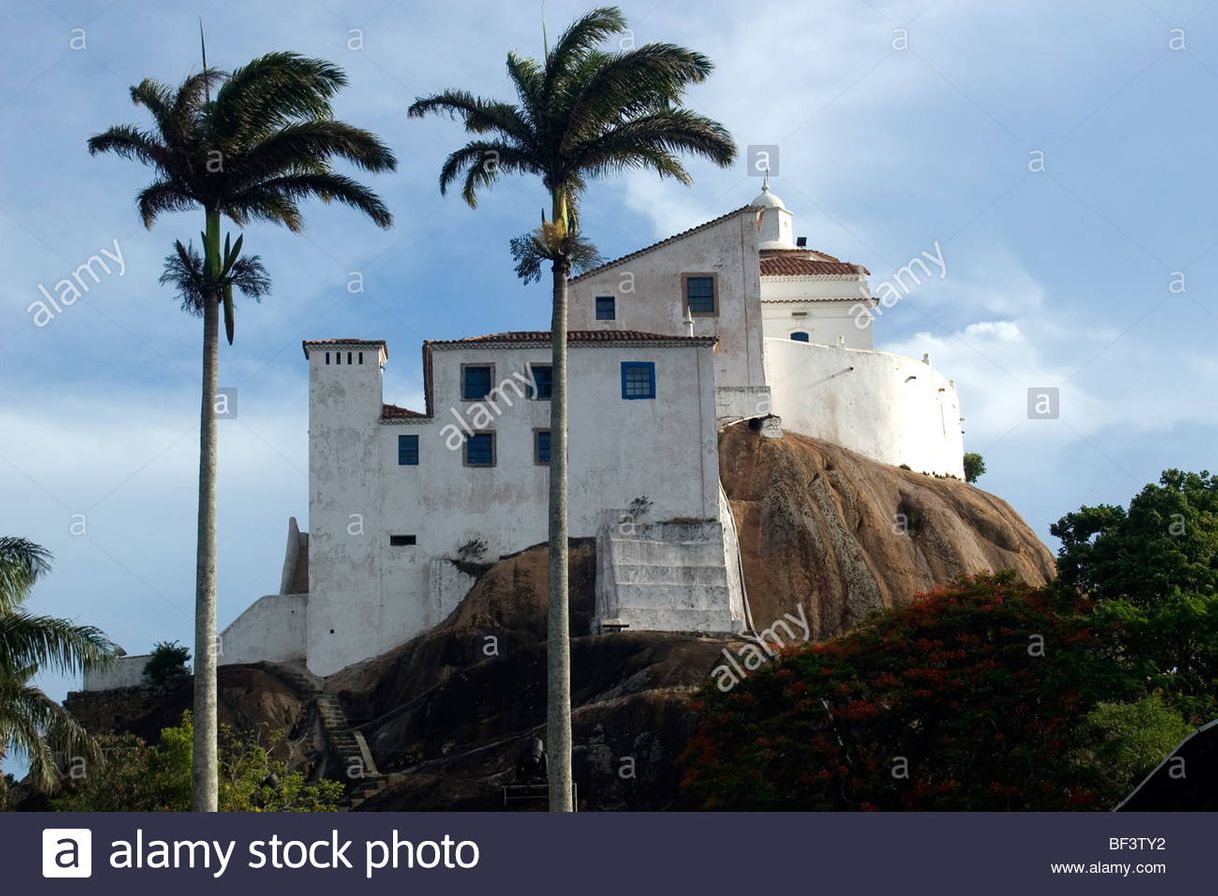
[{"x": 888, "y": 144}]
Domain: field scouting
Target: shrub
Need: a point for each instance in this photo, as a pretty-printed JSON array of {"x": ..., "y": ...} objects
[
  {"x": 974, "y": 466},
  {"x": 971, "y": 698},
  {"x": 167, "y": 664},
  {"x": 138, "y": 777}
]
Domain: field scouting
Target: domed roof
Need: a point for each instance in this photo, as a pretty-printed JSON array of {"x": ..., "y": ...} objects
[{"x": 766, "y": 199}]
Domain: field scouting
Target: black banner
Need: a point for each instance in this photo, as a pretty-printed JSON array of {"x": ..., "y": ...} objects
[{"x": 610, "y": 853}]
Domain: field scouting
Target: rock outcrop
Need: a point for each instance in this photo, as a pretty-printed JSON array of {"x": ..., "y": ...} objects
[
  {"x": 446, "y": 715},
  {"x": 843, "y": 535}
]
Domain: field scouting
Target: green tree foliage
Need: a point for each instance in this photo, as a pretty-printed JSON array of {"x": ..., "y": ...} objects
[
  {"x": 974, "y": 466},
  {"x": 970, "y": 698},
  {"x": 950, "y": 704},
  {"x": 1153, "y": 571},
  {"x": 1128, "y": 740},
  {"x": 167, "y": 664},
  {"x": 139, "y": 777}
]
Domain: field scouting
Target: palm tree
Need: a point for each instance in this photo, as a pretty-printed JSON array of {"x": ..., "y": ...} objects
[
  {"x": 31, "y": 723},
  {"x": 581, "y": 113},
  {"x": 263, "y": 144}
]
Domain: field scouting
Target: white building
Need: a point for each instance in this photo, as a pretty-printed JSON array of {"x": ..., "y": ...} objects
[{"x": 734, "y": 319}]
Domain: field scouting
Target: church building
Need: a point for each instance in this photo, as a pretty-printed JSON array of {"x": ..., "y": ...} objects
[{"x": 734, "y": 321}]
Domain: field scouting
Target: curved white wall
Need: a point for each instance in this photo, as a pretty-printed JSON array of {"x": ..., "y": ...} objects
[{"x": 887, "y": 407}]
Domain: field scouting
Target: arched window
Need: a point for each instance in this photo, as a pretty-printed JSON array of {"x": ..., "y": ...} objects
[{"x": 799, "y": 336}]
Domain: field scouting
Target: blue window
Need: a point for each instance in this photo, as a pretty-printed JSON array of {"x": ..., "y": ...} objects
[
  {"x": 700, "y": 294},
  {"x": 408, "y": 451},
  {"x": 541, "y": 446},
  {"x": 542, "y": 381},
  {"x": 799, "y": 336},
  {"x": 606, "y": 308},
  {"x": 638, "y": 379},
  {"x": 480, "y": 450},
  {"x": 476, "y": 381}
]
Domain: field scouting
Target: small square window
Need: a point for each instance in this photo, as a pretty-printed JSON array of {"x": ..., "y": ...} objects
[
  {"x": 799, "y": 336},
  {"x": 476, "y": 381},
  {"x": 480, "y": 450},
  {"x": 606, "y": 308},
  {"x": 700, "y": 294},
  {"x": 408, "y": 451},
  {"x": 541, "y": 447},
  {"x": 401, "y": 541},
  {"x": 541, "y": 381},
  {"x": 638, "y": 379}
]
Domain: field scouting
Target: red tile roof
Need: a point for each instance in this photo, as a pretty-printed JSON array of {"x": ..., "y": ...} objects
[
  {"x": 393, "y": 412},
  {"x": 582, "y": 337},
  {"x": 796, "y": 263},
  {"x": 664, "y": 242}
]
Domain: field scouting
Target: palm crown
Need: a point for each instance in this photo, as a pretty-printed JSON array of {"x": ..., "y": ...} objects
[
  {"x": 263, "y": 144},
  {"x": 582, "y": 113}
]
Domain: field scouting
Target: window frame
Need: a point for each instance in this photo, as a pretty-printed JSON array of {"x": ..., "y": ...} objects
[
  {"x": 650, "y": 367},
  {"x": 714, "y": 278},
  {"x": 596, "y": 307},
  {"x": 404, "y": 438},
  {"x": 494, "y": 449},
  {"x": 533, "y": 379},
  {"x": 490, "y": 386},
  {"x": 538, "y": 432}
]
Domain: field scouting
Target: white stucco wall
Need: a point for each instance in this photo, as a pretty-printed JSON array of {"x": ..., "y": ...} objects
[
  {"x": 647, "y": 289},
  {"x": 887, "y": 407},
  {"x": 825, "y": 307},
  {"x": 126, "y": 672},
  {"x": 367, "y": 596},
  {"x": 824, "y": 322},
  {"x": 271, "y": 630}
]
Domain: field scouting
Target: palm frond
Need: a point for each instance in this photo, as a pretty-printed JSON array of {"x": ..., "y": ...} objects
[
  {"x": 41, "y": 641},
  {"x": 531, "y": 250},
  {"x": 529, "y": 79},
  {"x": 22, "y": 563},
  {"x": 309, "y": 145},
  {"x": 480, "y": 116},
  {"x": 186, "y": 271},
  {"x": 272, "y": 91},
  {"x": 158, "y": 99},
  {"x": 639, "y": 81},
  {"x": 581, "y": 36},
  {"x": 41, "y": 731},
  {"x": 267, "y": 200},
  {"x": 481, "y": 161},
  {"x": 654, "y": 141},
  {"x": 130, "y": 142},
  {"x": 163, "y": 196}
]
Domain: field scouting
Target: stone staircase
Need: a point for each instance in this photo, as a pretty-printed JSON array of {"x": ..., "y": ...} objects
[
  {"x": 356, "y": 767},
  {"x": 669, "y": 576}
]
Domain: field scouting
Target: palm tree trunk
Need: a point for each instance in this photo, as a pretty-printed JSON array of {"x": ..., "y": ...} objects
[
  {"x": 205, "y": 757},
  {"x": 558, "y": 648}
]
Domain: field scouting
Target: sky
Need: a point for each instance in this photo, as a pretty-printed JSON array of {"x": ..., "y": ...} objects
[{"x": 1059, "y": 155}]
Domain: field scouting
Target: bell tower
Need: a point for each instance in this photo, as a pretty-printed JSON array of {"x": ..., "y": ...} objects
[{"x": 775, "y": 230}]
